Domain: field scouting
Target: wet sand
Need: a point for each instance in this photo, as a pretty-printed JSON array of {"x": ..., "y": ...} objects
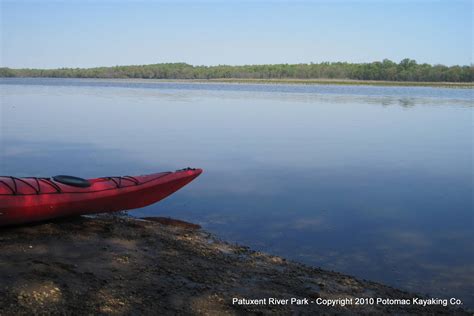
[{"x": 122, "y": 266}]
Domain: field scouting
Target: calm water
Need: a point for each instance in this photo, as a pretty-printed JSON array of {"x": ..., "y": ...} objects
[{"x": 376, "y": 182}]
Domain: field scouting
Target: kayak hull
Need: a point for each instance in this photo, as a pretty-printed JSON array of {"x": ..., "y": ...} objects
[{"x": 23, "y": 203}]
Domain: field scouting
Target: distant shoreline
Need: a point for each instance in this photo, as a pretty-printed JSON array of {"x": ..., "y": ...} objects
[
  {"x": 407, "y": 72},
  {"x": 349, "y": 82},
  {"x": 345, "y": 82}
]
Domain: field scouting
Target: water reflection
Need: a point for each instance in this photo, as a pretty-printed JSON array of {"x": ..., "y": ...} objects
[
  {"x": 47, "y": 158},
  {"x": 371, "y": 181},
  {"x": 402, "y": 96}
]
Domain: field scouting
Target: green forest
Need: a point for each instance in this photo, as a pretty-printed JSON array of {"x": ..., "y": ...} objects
[{"x": 386, "y": 70}]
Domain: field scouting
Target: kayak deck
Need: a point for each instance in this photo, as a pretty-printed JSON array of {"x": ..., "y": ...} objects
[
  {"x": 34, "y": 186},
  {"x": 24, "y": 200}
]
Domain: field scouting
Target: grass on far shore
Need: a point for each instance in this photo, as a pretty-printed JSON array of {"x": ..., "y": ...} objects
[
  {"x": 343, "y": 82},
  {"x": 463, "y": 85}
]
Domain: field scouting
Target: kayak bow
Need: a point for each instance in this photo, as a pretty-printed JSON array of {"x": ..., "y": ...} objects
[{"x": 25, "y": 200}]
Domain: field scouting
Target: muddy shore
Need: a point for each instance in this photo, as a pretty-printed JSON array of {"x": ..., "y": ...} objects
[{"x": 123, "y": 266}]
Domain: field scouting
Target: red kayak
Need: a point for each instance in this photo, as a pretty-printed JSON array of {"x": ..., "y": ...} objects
[{"x": 25, "y": 200}]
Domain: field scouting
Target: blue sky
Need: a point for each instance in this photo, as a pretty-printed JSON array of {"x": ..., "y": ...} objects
[{"x": 51, "y": 34}]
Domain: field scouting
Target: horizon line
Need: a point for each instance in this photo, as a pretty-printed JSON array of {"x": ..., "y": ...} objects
[{"x": 238, "y": 65}]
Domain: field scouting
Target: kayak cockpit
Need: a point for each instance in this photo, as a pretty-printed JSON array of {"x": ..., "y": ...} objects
[{"x": 72, "y": 181}]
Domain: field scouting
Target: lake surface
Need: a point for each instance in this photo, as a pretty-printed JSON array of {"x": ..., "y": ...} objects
[{"x": 376, "y": 182}]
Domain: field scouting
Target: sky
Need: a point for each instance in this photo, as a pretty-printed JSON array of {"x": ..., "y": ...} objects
[{"x": 53, "y": 34}]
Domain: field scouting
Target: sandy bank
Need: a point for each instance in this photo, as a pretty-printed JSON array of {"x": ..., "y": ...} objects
[{"x": 125, "y": 266}]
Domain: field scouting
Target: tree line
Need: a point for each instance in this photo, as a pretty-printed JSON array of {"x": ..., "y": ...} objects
[{"x": 405, "y": 70}]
